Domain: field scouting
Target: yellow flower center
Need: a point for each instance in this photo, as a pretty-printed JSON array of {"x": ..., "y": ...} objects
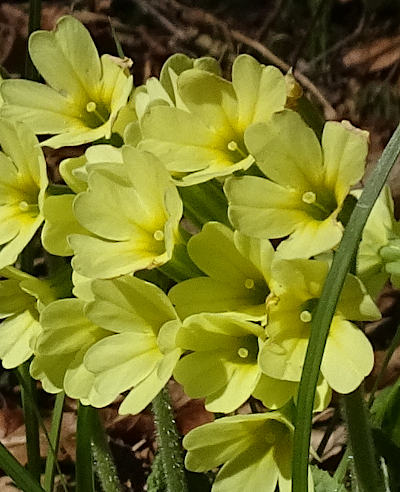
[
  {"x": 309, "y": 197},
  {"x": 96, "y": 114},
  {"x": 234, "y": 147},
  {"x": 243, "y": 353},
  {"x": 26, "y": 207},
  {"x": 249, "y": 283},
  {"x": 305, "y": 316},
  {"x": 158, "y": 235}
]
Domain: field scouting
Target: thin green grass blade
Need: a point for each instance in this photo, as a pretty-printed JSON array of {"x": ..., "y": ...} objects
[
  {"x": 54, "y": 439},
  {"x": 84, "y": 459},
  {"x": 22, "y": 478},
  {"x": 29, "y": 405},
  {"x": 35, "y": 11},
  {"x": 326, "y": 308}
]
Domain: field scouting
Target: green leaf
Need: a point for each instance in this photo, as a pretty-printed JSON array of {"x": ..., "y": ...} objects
[{"x": 323, "y": 482}]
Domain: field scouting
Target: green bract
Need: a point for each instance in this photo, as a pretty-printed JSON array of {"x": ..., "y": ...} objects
[
  {"x": 132, "y": 209},
  {"x": 85, "y": 94},
  {"x": 238, "y": 269},
  {"x": 23, "y": 181},
  {"x": 223, "y": 365},
  {"x": 309, "y": 183},
  {"x": 141, "y": 352},
  {"x": 255, "y": 451},
  {"x": 295, "y": 288},
  {"x": 206, "y": 139},
  {"x": 378, "y": 256}
]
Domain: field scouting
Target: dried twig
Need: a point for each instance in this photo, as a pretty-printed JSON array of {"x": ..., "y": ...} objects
[
  {"x": 330, "y": 112},
  {"x": 194, "y": 14}
]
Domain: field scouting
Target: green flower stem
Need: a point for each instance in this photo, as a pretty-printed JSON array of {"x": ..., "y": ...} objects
[
  {"x": 326, "y": 309},
  {"x": 170, "y": 448},
  {"x": 204, "y": 202},
  {"x": 83, "y": 467},
  {"x": 22, "y": 478},
  {"x": 29, "y": 404},
  {"x": 35, "y": 9},
  {"x": 369, "y": 478},
  {"x": 104, "y": 464},
  {"x": 395, "y": 343},
  {"x": 54, "y": 438}
]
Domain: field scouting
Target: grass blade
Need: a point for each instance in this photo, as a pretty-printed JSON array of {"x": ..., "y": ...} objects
[
  {"x": 22, "y": 478},
  {"x": 326, "y": 308}
]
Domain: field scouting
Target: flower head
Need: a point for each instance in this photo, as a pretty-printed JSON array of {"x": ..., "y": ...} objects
[
  {"x": 142, "y": 323},
  {"x": 237, "y": 269},
  {"x": 255, "y": 451},
  {"x": 296, "y": 286},
  {"x": 22, "y": 297},
  {"x": 66, "y": 336},
  {"x": 132, "y": 211},
  {"x": 23, "y": 181},
  {"x": 84, "y": 92},
  {"x": 223, "y": 363},
  {"x": 206, "y": 138},
  {"x": 307, "y": 184}
]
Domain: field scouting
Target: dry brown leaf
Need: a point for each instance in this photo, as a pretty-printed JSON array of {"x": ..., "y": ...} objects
[
  {"x": 6, "y": 485},
  {"x": 375, "y": 55}
]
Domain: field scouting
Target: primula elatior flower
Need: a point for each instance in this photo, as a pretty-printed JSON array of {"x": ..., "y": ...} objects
[
  {"x": 307, "y": 184},
  {"x": 21, "y": 298},
  {"x": 296, "y": 286},
  {"x": 163, "y": 91},
  {"x": 205, "y": 140},
  {"x": 238, "y": 269},
  {"x": 23, "y": 181},
  {"x": 255, "y": 451},
  {"x": 378, "y": 256},
  {"x": 60, "y": 220},
  {"x": 66, "y": 336},
  {"x": 223, "y": 365},
  {"x": 141, "y": 353},
  {"x": 85, "y": 92},
  {"x": 132, "y": 211}
]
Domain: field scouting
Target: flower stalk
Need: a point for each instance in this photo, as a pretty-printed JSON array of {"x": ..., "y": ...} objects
[
  {"x": 368, "y": 474},
  {"x": 169, "y": 442}
]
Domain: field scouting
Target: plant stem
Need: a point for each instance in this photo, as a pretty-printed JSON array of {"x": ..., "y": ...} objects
[
  {"x": 104, "y": 464},
  {"x": 83, "y": 466},
  {"x": 366, "y": 467},
  {"x": 22, "y": 478},
  {"x": 54, "y": 438},
  {"x": 326, "y": 308},
  {"x": 169, "y": 441},
  {"x": 29, "y": 402},
  {"x": 35, "y": 8}
]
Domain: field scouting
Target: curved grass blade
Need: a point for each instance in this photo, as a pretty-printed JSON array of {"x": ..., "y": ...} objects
[
  {"x": 22, "y": 478},
  {"x": 326, "y": 308}
]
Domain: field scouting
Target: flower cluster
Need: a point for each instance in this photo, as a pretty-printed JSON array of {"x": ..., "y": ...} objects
[{"x": 168, "y": 230}]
